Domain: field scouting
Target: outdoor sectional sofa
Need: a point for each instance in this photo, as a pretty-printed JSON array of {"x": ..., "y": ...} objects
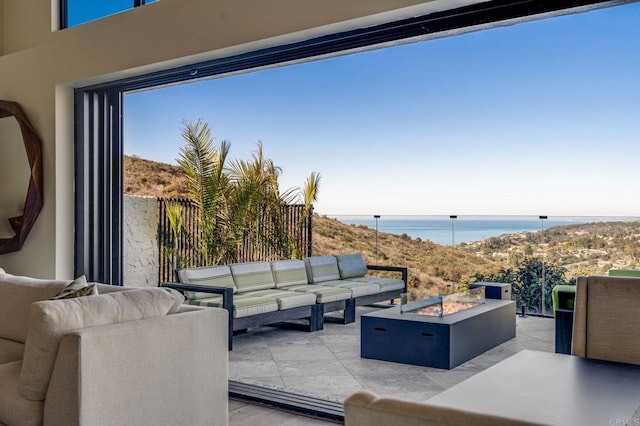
[
  {"x": 122, "y": 357},
  {"x": 262, "y": 293}
]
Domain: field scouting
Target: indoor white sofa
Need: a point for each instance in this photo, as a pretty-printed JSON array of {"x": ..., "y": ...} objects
[{"x": 122, "y": 357}]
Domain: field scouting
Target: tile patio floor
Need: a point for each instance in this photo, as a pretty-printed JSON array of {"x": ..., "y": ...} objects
[{"x": 326, "y": 364}]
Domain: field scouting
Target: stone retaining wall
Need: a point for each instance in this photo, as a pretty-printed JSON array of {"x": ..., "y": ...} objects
[{"x": 140, "y": 245}]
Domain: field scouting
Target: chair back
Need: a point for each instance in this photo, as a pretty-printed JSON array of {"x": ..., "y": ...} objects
[{"x": 606, "y": 321}]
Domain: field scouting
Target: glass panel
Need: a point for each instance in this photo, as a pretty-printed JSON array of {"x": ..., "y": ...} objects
[
  {"x": 81, "y": 11},
  {"x": 438, "y": 306}
]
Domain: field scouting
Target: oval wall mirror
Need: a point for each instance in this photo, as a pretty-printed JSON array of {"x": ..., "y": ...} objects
[{"x": 20, "y": 174}]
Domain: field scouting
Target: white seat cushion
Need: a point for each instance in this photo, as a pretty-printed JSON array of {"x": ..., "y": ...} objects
[
  {"x": 243, "y": 305},
  {"x": 323, "y": 294},
  {"x": 357, "y": 288},
  {"x": 286, "y": 299},
  {"x": 386, "y": 284}
]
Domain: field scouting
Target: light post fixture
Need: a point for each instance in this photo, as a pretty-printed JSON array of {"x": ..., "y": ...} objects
[
  {"x": 453, "y": 234},
  {"x": 453, "y": 244},
  {"x": 543, "y": 307},
  {"x": 376, "y": 217}
]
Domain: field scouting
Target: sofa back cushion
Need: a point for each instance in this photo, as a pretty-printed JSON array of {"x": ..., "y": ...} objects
[
  {"x": 51, "y": 320},
  {"x": 178, "y": 298},
  {"x": 252, "y": 276},
  {"x": 351, "y": 265},
  {"x": 215, "y": 276},
  {"x": 16, "y": 295},
  {"x": 289, "y": 272},
  {"x": 606, "y": 321},
  {"x": 322, "y": 268}
]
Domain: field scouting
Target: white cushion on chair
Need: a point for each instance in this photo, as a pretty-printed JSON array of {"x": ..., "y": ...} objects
[
  {"x": 215, "y": 276},
  {"x": 289, "y": 272},
  {"x": 322, "y": 268},
  {"x": 252, "y": 276},
  {"x": 351, "y": 265}
]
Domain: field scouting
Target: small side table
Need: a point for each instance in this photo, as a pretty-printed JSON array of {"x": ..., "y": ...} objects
[
  {"x": 564, "y": 330},
  {"x": 563, "y": 302},
  {"x": 492, "y": 290}
]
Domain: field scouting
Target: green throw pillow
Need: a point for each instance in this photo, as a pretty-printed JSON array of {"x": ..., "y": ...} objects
[{"x": 77, "y": 288}]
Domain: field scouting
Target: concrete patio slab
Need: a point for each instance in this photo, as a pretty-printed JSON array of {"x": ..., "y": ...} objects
[{"x": 326, "y": 364}]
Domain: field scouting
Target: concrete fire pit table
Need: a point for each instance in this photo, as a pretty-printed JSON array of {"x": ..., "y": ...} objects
[{"x": 436, "y": 341}]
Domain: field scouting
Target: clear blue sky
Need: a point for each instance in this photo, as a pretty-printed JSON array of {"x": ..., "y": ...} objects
[{"x": 537, "y": 118}]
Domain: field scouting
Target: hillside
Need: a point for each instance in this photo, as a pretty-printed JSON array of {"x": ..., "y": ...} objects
[
  {"x": 591, "y": 248},
  {"x": 145, "y": 177},
  {"x": 431, "y": 266}
]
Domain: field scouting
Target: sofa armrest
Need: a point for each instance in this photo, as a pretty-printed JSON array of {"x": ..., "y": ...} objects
[
  {"x": 402, "y": 269},
  {"x": 227, "y": 298},
  {"x": 163, "y": 371}
]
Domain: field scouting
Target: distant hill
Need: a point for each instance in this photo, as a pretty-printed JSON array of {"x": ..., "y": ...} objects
[
  {"x": 146, "y": 177},
  {"x": 591, "y": 248}
]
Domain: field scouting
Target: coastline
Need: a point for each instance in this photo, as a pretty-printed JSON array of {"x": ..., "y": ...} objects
[{"x": 466, "y": 229}]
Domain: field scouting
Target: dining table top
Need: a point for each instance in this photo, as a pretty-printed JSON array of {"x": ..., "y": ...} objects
[{"x": 550, "y": 388}]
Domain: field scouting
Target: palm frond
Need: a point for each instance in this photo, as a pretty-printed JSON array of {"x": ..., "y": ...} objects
[{"x": 310, "y": 189}]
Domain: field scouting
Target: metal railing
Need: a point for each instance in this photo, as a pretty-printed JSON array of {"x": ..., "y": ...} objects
[{"x": 532, "y": 252}]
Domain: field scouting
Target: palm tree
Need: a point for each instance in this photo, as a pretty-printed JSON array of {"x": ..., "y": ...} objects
[
  {"x": 256, "y": 197},
  {"x": 240, "y": 203},
  {"x": 209, "y": 188}
]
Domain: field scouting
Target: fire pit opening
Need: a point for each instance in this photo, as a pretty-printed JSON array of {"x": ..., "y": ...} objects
[{"x": 439, "y": 306}]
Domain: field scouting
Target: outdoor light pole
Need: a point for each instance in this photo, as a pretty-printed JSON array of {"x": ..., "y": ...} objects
[
  {"x": 453, "y": 245},
  {"x": 453, "y": 234},
  {"x": 542, "y": 218},
  {"x": 376, "y": 217}
]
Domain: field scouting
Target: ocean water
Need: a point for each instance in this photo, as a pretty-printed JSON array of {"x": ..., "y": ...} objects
[{"x": 466, "y": 228}]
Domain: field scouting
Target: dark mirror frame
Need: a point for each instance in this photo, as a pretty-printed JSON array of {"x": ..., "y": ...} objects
[{"x": 22, "y": 225}]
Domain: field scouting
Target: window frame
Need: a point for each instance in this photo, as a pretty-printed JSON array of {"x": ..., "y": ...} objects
[
  {"x": 98, "y": 110},
  {"x": 64, "y": 11}
]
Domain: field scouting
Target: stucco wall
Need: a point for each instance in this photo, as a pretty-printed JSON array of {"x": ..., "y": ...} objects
[
  {"x": 140, "y": 241},
  {"x": 39, "y": 68}
]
